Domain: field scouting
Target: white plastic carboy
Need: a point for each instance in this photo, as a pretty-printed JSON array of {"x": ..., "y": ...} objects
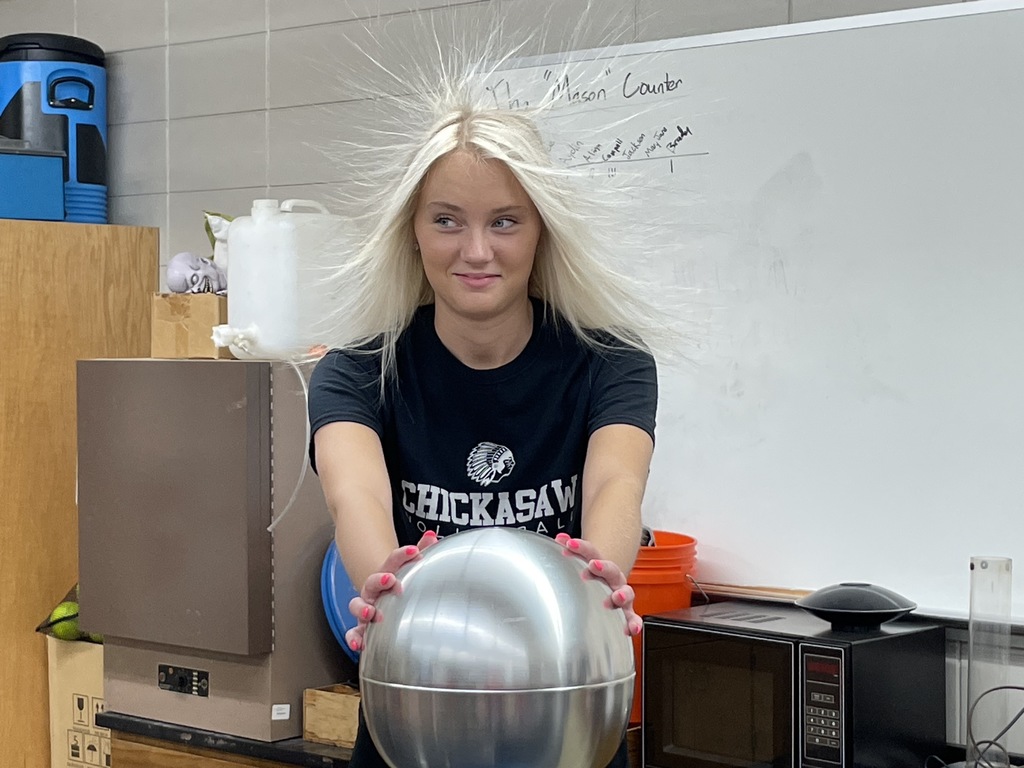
[{"x": 279, "y": 269}]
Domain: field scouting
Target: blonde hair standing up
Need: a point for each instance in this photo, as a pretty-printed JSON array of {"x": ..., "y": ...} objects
[{"x": 382, "y": 283}]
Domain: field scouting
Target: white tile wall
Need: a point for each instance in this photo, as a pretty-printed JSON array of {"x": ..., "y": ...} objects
[
  {"x": 57, "y": 16},
  {"x": 289, "y": 13},
  {"x": 808, "y": 10},
  {"x": 191, "y": 20},
  {"x": 664, "y": 19},
  {"x": 120, "y": 25},
  {"x": 137, "y": 86},
  {"x": 368, "y": 57},
  {"x": 218, "y": 76},
  {"x": 318, "y": 65},
  {"x": 142, "y": 211},
  {"x": 541, "y": 26},
  {"x": 307, "y": 144},
  {"x": 218, "y": 152},
  {"x": 137, "y": 161},
  {"x": 330, "y": 195},
  {"x": 406, "y": 44}
]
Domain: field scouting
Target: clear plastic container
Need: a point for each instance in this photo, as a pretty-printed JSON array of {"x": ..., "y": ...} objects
[
  {"x": 989, "y": 713},
  {"x": 280, "y": 263}
]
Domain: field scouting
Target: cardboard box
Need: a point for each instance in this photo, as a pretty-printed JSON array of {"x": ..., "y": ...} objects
[
  {"x": 183, "y": 324},
  {"x": 75, "y": 670},
  {"x": 330, "y": 715}
]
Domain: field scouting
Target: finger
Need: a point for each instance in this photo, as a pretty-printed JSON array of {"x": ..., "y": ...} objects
[
  {"x": 571, "y": 545},
  {"x": 621, "y": 597},
  {"x": 368, "y": 614},
  {"x": 634, "y": 624},
  {"x": 606, "y": 571},
  {"x": 379, "y": 583},
  {"x": 585, "y": 549},
  {"x": 580, "y": 547},
  {"x": 428, "y": 539},
  {"x": 400, "y": 557},
  {"x": 354, "y": 637},
  {"x": 359, "y": 608}
]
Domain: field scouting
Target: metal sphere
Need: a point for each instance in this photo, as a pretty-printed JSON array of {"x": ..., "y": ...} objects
[{"x": 497, "y": 653}]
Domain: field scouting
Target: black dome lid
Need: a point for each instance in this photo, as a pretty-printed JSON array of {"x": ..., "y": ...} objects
[
  {"x": 46, "y": 46},
  {"x": 856, "y": 605}
]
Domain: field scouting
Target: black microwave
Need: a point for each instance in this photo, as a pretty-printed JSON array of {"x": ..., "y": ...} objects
[{"x": 746, "y": 684}]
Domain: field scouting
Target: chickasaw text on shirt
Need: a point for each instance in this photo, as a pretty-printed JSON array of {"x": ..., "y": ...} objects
[{"x": 554, "y": 499}]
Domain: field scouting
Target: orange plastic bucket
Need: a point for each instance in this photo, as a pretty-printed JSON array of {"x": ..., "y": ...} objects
[{"x": 660, "y": 580}]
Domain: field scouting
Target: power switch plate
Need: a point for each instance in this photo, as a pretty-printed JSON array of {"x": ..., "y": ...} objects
[{"x": 194, "y": 682}]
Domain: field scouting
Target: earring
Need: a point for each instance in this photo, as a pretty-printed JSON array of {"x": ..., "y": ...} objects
[{"x": 416, "y": 247}]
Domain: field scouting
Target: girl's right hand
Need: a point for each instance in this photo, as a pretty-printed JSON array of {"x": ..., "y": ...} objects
[{"x": 364, "y": 606}]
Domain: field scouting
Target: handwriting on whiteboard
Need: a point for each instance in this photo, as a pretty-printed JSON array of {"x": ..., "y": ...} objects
[
  {"x": 624, "y": 140},
  {"x": 562, "y": 88}
]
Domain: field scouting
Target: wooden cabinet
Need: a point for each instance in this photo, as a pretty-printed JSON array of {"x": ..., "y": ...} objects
[
  {"x": 131, "y": 751},
  {"x": 67, "y": 292},
  {"x": 138, "y": 742}
]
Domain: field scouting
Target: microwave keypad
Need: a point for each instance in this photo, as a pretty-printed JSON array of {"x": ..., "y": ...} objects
[{"x": 821, "y": 680}]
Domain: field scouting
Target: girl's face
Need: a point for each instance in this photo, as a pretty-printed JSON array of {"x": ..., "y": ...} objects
[{"x": 477, "y": 231}]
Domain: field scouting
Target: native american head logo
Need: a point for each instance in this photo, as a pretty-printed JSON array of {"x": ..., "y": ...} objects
[{"x": 489, "y": 462}]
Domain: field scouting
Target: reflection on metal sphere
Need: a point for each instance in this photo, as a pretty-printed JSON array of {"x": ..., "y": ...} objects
[{"x": 497, "y": 653}]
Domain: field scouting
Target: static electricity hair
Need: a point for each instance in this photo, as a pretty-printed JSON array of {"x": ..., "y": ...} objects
[{"x": 382, "y": 283}]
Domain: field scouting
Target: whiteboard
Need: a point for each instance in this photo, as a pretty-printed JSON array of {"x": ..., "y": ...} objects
[{"x": 848, "y": 198}]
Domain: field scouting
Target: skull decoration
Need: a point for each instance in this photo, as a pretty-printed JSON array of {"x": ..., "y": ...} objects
[{"x": 188, "y": 273}]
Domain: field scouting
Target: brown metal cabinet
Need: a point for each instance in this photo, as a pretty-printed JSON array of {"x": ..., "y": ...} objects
[{"x": 211, "y": 619}]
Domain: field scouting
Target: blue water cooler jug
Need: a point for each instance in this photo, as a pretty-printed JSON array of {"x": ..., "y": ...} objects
[{"x": 53, "y": 95}]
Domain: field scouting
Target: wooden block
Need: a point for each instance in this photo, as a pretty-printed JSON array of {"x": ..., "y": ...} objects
[
  {"x": 183, "y": 324},
  {"x": 330, "y": 715}
]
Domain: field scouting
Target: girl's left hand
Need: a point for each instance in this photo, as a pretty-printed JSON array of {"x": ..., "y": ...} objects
[{"x": 622, "y": 595}]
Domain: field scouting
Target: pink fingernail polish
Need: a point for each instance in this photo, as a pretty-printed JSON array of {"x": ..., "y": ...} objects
[
  {"x": 366, "y": 612},
  {"x": 599, "y": 565},
  {"x": 385, "y": 579},
  {"x": 411, "y": 550},
  {"x": 620, "y": 595},
  {"x": 573, "y": 544}
]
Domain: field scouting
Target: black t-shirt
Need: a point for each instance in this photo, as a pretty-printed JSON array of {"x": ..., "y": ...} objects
[{"x": 506, "y": 446}]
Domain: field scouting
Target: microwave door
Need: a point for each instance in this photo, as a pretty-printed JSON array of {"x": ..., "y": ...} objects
[{"x": 717, "y": 700}]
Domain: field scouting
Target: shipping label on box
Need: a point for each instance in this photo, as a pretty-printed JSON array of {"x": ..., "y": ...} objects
[
  {"x": 75, "y": 671},
  {"x": 183, "y": 325}
]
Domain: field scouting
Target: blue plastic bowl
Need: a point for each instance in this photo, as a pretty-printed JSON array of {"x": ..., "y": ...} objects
[{"x": 337, "y": 591}]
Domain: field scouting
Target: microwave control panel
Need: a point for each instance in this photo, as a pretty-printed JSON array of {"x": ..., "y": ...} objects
[{"x": 822, "y": 687}]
